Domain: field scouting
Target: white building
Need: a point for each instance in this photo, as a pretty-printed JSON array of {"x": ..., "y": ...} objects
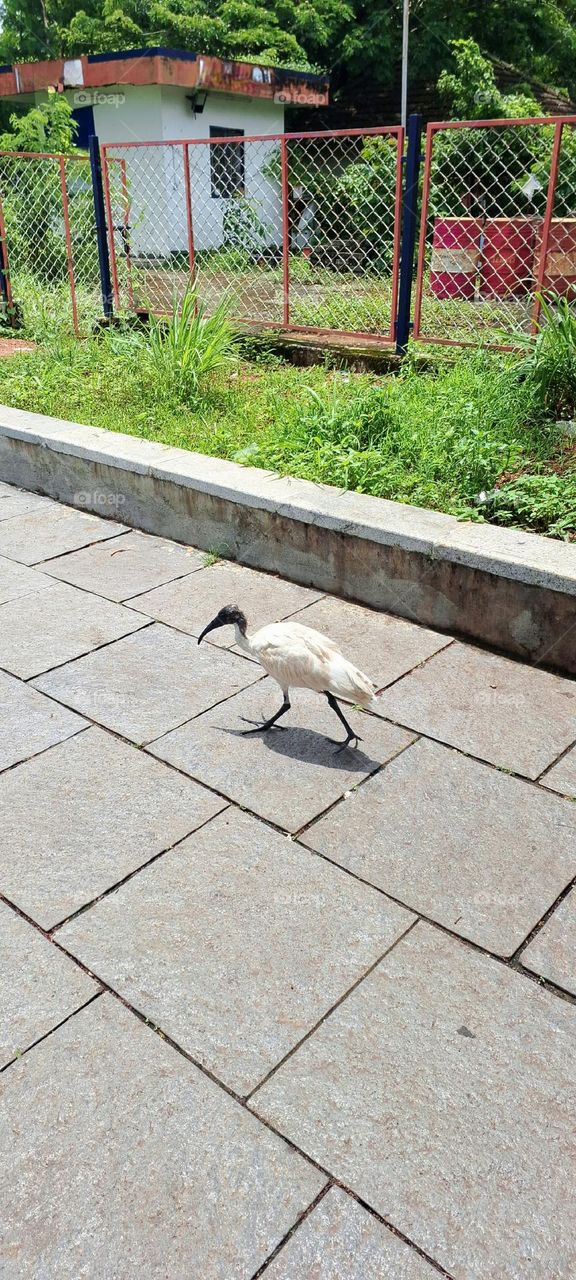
[{"x": 166, "y": 96}]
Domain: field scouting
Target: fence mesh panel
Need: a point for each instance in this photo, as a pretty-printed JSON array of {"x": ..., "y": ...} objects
[
  {"x": 296, "y": 231},
  {"x": 50, "y": 237},
  {"x": 302, "y": 231},
  {"x": 485, "y": 196}
]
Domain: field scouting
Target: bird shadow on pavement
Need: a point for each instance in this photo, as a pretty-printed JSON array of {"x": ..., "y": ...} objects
[{"x": 311, "y": 748}]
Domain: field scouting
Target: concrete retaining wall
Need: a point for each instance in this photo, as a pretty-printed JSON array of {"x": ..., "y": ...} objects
[{"x": 511, "y": 590}]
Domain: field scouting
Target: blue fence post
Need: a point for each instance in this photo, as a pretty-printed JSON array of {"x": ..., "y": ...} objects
[
  {"x": 100, "y": 220},
  {"x": 409, "y": 223}
]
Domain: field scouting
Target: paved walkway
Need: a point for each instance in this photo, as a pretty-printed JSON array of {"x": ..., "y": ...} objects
[{"x": 269, "y": 1010}]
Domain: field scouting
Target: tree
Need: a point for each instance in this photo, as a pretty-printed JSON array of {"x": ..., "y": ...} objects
[
  {"x": 359, "y": 41},
  {"x": 486, "y": 172},
  {"x": 50, "y": 126}
]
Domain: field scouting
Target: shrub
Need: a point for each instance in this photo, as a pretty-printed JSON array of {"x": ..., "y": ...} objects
[
  {"x": 550, "y": 363},
  {"x": 545, "y": 503},
  {"x": 353, "y": 201},
  {"x": 187, "y": 350}
]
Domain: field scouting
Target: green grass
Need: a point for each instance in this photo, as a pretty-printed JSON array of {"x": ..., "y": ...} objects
[{"x": 435, "y": 439}]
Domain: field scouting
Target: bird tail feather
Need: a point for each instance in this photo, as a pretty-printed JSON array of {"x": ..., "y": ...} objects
[{"x": 350, "y": 684}]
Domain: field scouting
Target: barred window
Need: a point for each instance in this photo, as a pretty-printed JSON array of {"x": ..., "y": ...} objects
[{"x": 226, "y": 163}]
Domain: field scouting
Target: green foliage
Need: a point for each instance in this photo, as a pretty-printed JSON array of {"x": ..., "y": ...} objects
[
  {"x": 414, "y": 438},
  {"x": 31, "y": 190},
  {"x": 358, "y": 40},
  {"x": 49, "y": 126},
  {"x": 435, "y": 439},
  {"x": 353, "y": 201},
  {"x": 243, "y": 228},
  {"x": 184, "y": 353},
  {"x": 470, "y": 89},
  {"x": 483, "y": 171},
  {"x": 544, "y": 503},
  {"x": 550, "y": 362}
]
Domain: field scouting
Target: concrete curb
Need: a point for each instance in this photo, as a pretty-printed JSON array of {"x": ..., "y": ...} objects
[{"x": 512, "y": 590}]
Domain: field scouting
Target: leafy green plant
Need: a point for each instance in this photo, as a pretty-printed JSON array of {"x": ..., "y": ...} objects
[
  {"x": 550, "y": 360},
  {"x": 436, "y": 438},
  {"x": 187, "y": 350},
  {"x": 545, "y": 503}
]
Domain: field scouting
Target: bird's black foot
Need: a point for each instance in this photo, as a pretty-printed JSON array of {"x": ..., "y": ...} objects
[
  {"x": 351, "y": 741},
  {"x": 259, "y": 727}
]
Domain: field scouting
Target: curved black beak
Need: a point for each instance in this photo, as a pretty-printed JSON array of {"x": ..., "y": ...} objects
[{"x": 211, "y": 627}]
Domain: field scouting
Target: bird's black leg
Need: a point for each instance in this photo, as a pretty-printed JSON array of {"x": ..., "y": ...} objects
[
  {"x": 352, "y": 737},
  {"x": 268, "y": 723}
]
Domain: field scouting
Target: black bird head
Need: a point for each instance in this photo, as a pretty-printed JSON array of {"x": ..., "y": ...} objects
[{"x": 230, "y": 615}]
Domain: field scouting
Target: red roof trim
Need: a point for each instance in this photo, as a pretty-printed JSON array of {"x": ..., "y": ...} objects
[{"x": 151, "y": 67}]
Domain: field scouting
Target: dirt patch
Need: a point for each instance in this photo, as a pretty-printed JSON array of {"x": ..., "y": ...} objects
[{"x": 12, "y": 346}]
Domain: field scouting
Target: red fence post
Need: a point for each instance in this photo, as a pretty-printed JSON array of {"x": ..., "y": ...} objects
[
  {"x": 550, "y": 197},
  {"x": 189, "y": 222},
  {"x": 285, "y": 231},
  {"x": 68, "y": 239}
]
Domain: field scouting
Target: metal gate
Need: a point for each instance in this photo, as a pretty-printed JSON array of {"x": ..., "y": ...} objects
[
  {"x": 497, "y": 227},
  {"x": 300, "y": 231},
  {"x": 49, "y": 259}
]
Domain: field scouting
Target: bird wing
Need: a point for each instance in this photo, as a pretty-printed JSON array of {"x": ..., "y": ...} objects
[
  {"x": 298, "y": 656},
  {"x": 280, "y": 635}
]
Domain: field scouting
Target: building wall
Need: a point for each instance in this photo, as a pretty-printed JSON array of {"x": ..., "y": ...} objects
[
  {"x": 155, "y": 174},
  {"x": 225, "y": 111}
]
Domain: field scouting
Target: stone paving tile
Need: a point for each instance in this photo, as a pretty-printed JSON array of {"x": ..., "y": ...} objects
[
  {"x": 39, "y": 986},
  {"x": 192, "y": 602},
  {"x": 341, "y": 1241},
  {"x": 51, "y": 531},
  {"x": 552, "y": 953},
  {"x": 18, "y": 580},
  {"x": 381, "y": 645},
  {"x": 515, "y": 716},
  {"x": 51, "y": 627},
  {"x": 482, "y": 853},
  {"x": 562, "y": 777},
  {"x": 442, "y": 1092},
  {"x": 144, "y": 1168},
  {"x": 235, "y": 944},
  {"x": 80, "y": 817},
  {"x": 29, "y": 722},
  {"x": 16, "y": 502},
  {"x": 126, "y": 566},
  {"x": 149, "y": 682},
  {"x": 288, "y": 775}
]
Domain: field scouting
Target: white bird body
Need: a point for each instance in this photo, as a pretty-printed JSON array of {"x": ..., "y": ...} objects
[{"x": 298, "y": 657}]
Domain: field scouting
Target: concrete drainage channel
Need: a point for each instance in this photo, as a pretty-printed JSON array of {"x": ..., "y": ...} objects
[{"x": 511, "y": 590}]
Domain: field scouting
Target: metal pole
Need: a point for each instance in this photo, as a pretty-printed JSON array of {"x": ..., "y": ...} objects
[
  {"x": 100, "y": 221},
  {"x": 409, "y": 220},
  {"x": 405, "y": 39},
  {"x": 285, "y": 232},
  {"x": 68, "y": 240}
]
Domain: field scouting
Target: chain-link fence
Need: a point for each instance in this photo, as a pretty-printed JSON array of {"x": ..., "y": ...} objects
[
  {"x": 299, "y": 231},
  {"x": 498, "y": 226},
  {"x": 49, "y": 241},
  {"x": 302, "y": 231}
]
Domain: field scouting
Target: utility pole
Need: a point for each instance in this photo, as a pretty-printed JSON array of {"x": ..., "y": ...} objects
[{"x": 405, "y": 37}]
